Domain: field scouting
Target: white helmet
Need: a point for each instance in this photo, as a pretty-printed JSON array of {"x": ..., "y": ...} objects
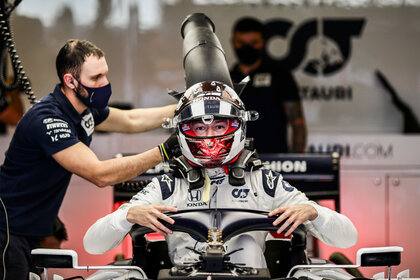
[{"x": 211, "y": 124}]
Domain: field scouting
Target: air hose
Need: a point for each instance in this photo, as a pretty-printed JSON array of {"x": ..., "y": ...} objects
[
  {"x": 3, "y": 72},
  {"x": 20, "y": 75}
]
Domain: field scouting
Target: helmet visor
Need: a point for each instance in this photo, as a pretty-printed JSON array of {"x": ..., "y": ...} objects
[
  {"x": 211, "y": 152},
  {"x": 209, "y": 138},
  {"x": 209, "y": 126}
]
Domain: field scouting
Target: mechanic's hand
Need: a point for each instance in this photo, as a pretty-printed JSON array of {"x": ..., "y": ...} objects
[
  {"x": 293, "y": 215},
  {"x": 147, "y": 215},
  {"x": 170, "y": 148}
]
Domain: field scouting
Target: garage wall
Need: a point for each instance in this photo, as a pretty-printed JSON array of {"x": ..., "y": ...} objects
[
  {"x": 144, "y": 51},
  {"x": 333, "y": 51}
]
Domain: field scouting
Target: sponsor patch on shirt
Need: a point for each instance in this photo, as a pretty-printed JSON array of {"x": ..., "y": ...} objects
[
  {"x": 57, "y": 129},
  {"x": 88, "y": 124},
  {"x": 261, "y": 80}
]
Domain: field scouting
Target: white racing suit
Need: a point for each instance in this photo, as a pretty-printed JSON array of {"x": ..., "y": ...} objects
[{"x": 267, "y": 192}]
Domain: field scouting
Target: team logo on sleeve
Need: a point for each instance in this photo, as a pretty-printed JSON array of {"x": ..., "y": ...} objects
[
  {"x": 165, "y": 178},
  {"x": 167, "y": 185},
  {"x": 88, "y": 123},
  {"x": 57, "y": 129},
  {"x": 287, "y": 187},
  {"x": 270, "y": 180}
]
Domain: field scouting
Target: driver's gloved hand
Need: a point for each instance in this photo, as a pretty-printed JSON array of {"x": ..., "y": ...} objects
[{"x": 170, "y": 148}]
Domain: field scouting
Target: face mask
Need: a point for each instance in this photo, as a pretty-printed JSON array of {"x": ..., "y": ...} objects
[
  {"x": 97, "y": 97},
  {"x": 248, "y": 55}
]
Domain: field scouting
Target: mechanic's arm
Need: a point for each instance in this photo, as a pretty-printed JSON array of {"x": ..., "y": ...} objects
[
  {"x": 81, "y": 160},
  {"x": 296, "y": 119},
  {"x": 135, "y": 120}
]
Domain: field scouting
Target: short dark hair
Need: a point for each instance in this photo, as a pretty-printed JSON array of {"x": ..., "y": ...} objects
[
  {"x": 59, "y": 230},
  {"x": 72, "y": 55},
  {"x": 247, "y": 24}
]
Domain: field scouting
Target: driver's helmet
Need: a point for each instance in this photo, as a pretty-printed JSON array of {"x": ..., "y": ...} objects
[{"x": 211, "y": 123}]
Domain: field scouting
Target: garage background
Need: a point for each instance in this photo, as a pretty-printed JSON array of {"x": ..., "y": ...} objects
[{"x": 347, "y": 109}]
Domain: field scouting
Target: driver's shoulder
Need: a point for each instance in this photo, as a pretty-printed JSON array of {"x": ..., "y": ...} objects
[
  {"x": 267, "y": 180},
  {"x": 167, "y": 184}
]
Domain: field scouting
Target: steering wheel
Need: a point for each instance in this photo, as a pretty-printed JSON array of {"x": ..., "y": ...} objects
[{"x": 231, "y": 222}]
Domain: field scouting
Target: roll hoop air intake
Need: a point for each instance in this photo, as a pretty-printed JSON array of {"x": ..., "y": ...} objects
[{"x": 204, "y": 58}]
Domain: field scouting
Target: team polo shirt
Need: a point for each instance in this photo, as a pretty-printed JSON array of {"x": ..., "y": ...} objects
[
  {"x": 32, "y": 183},
  {"x": 270, "y": 86}
]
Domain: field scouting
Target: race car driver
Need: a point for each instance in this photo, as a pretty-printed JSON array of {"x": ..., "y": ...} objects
[{"x": 211, "y": 122}]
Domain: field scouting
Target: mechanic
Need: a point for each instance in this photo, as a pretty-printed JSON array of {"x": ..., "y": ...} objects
[
  {"x": 272, "y": 91},
  {"x": 211, "y": 123},
  {"x": 59, "y": 234},
  {"x": 52, "y": 141}
]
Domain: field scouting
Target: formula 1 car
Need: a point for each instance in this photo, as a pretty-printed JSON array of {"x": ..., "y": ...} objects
[{"x": 217, "y": 226}]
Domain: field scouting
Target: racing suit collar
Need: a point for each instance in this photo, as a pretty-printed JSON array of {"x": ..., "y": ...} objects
[{"x": 215, "y": 172}]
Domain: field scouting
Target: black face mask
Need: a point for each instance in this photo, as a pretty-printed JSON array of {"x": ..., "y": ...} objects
[{"x": 248, "y": 55}]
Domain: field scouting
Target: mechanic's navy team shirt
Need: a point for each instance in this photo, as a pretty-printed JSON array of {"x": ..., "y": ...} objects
[
  {"x": 270, "y": 86},
  {"x": 32, "y": 183}
]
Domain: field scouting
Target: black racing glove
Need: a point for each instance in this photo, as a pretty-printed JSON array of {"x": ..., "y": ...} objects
[{"x": 170, "y": 148}]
